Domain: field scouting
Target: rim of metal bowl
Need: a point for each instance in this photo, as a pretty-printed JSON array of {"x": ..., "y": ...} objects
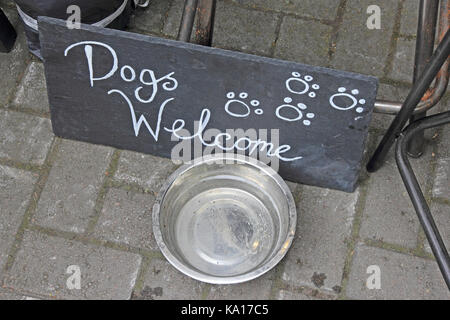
[{"x": 225, "y": 279}]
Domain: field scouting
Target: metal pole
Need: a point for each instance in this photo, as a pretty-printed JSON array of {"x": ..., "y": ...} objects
[
  {"x": 205, "y": 23},
  {"x": 426, "y": 30},
  {"x": 415, "y": 193},
  {"x": 187, "y": 21},
  {"x": 418, "y": 90},
  {"x": 434, "y": 94}
]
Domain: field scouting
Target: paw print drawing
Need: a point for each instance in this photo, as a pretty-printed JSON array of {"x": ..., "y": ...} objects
[
  {"x": 241, "y": 108},
  {"x": 353, "y": 102},
  {"x": 303, "y": 85},
  {"x": 298, "y": 111}
]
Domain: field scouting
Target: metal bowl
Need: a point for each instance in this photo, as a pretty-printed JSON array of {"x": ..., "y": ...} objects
[{"x": 224, "y": 219}]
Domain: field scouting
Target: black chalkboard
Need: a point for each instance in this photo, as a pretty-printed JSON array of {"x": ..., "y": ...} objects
[{"x": 137, "y": 92}]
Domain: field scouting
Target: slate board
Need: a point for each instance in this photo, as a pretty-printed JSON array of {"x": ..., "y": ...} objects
[{"x": 322, "y": 114}]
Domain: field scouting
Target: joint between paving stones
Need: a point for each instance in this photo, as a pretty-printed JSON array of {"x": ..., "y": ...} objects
[
  {"x": 109, "y": 173},
  {"x": 394, "y": 39},
  {"x": 268, "y": 10},
  {"x": 31, "y": 112},
  {"x": 354, "y": 237},
  {"x": 335, "y": 31},
  {"x": 280, "y": 19}
]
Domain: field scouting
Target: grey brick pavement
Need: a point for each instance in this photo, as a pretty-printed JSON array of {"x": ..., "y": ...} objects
[
  {"x": 318, "y": 255},
  {"x": 440, "y": 213},
  {"x": 16, "y": 186},
  {"x": 409, "y": 19},
  {"x": 402, "y": 276},
  {"x": 392, "y": 218},
  {"x": 441, "y": 183},
  {"x": 362, "y": 50},
  {"x": 164, "y": 282},
  {"x": 125, "y": 219},
  {"x": 32, "y": 91},
  {"x": 68, "y": 203},
  {"x": 403, "y": 58},
  {"x": 245, "y": 30},
  {"x": 69, "y": 196},
  {"x": 133, "y": 170},
  {"x": 41, "y": 266},
  {"x": 24, "y": 138},
  {"x": 305, "y": 47}
]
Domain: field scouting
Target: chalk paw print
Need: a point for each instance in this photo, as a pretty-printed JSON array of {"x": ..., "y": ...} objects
[
  {"x": 237, "y": 106},
  {"x": 289, "y": 112},
  {"x": 347, "y": 101},
  {"x": 302, "y": 85}
]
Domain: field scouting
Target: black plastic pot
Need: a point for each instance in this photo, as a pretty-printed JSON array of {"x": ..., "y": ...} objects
[{"x": 105, "y": 13}]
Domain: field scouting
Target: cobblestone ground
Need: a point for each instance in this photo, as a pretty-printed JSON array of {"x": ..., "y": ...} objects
[{"x": 68, "y": 203}]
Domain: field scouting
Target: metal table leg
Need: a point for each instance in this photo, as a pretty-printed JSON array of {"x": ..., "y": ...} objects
[
  {"x": 205, "y": 24},
  {"x": 426, "y": 31},
  {"x": 205, "y": 10},
  {"x": 7, "y": 34},
  {"x": 418, "y": 90},
  {"x": 435, "y": 93},
  {"x": 187, "y": 20},
  {"x": 415, "y": 193}
]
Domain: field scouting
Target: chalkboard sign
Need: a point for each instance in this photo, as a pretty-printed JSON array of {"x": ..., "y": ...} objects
[{"x": 140, "y": 93}]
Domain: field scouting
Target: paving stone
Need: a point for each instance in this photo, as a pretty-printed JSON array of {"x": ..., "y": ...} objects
[
  {"x": 257, "y": 289},
  {"x": 300, "y": 294},
  {"x": 293, "y": 188},
  {"x": 318, "y": 9},
  {"x": 68, "y": 199},
  {"x": 441, "y": 187},
  {"x": 32, "y": 90},
  {"x": 144, "y": 170},
  {"x": 164, "y": 282},
  {"x": 317, "y": 256},
  {"x": 42, "y": 263},
  {"x": 391, "y": 92},
  {"x": 13, "y": 63},
  {"x": 173, "y": 20},
  {"x": 441, "y": 216},
  {"x": 150, "y": 19},
  {"x": 296, "y": 43},
  {"x": 410, "y": 17},
  {"x": 24, "y": 138},
  {"x": 402, "y": 276},
  {"x": 244, "y": 30},
  {"x": 389, "y": 215},
  {"x": 5, "y": 295},
  {"x": 360, "y": 49},
  {"x": 289, "y": 295},
  {"x": 403, "y": 65},
  {"x": 127, "y": 218},
  {"x": 16, "y": 188}
]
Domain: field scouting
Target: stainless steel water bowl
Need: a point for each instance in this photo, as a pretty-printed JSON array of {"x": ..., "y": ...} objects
[{"x": 225, "y": 219}]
